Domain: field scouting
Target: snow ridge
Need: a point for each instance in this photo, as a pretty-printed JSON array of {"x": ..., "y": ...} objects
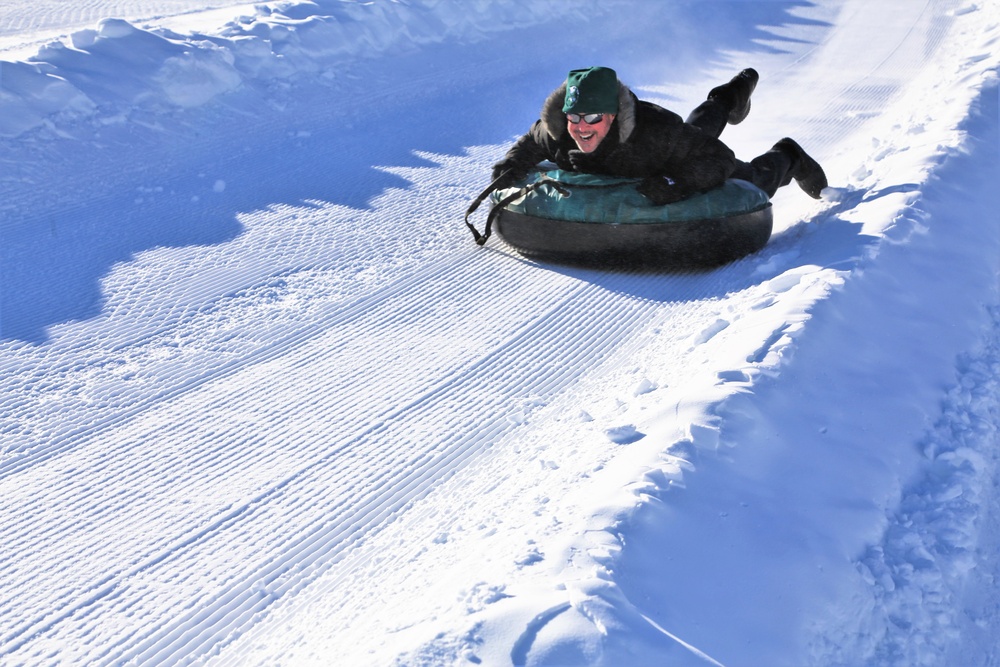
[
  {"x": 98, "y": 76},
  {"x": 922, "y": 575},
  {"x": 924, "y": 601}
]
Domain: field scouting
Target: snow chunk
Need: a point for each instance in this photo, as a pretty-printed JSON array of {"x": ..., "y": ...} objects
[
  {"x": 115, "y": 29},
  {"x": 704, "y": 436},
  {"x": 31, "y": 93},
  {"x": 198, "y": 75},
  {"x": 83, "y": 39},
  {"x": 645, "y": 386}
]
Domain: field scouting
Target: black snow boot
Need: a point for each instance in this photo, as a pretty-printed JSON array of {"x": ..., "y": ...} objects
[
  {"x": 735, "y": 95},
  {"x": 805, "y": 170}
]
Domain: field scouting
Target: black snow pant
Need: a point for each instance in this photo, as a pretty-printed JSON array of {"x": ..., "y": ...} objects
[{"x": 768, "y": 172}]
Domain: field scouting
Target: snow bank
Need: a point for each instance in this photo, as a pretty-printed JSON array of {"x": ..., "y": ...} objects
[{"x": 117, "y": 66}]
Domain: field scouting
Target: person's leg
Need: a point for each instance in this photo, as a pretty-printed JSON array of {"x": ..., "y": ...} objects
[
  {"x": 726, "y": 104},
  {"x": 711, "y": 116},
  {"x": 777, "y": 167}
]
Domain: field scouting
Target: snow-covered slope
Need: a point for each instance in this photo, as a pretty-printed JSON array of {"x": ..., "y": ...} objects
[{"x": 265, "y": 402}]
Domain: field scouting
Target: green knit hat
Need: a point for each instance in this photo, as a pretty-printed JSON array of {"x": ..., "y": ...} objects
[{"x": 591, "y": 90}]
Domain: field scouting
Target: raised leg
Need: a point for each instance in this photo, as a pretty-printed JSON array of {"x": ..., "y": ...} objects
[{"x": 726, "y": 104}]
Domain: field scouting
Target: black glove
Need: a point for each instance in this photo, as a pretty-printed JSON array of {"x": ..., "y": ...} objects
[
  {"x": 660, "y": 190},
  {"x": 508, "y": 175},
  {"x": 582, "y": 162}
]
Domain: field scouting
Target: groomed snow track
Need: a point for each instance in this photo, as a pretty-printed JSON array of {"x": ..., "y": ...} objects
[{"x": 264, "y": 401}]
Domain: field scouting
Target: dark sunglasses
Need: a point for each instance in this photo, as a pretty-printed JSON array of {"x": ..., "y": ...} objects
[{"x": 588, "y": 118}]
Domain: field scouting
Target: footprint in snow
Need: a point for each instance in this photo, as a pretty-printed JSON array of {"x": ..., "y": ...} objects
[
  {"x": 624, "y": 435},
  {"x": 710, "y": 331},
  {"x": 533, "y": 556},
  {"x": 733, "y": 376}
]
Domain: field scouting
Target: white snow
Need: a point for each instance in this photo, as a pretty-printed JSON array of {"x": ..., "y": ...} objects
[{"x": 264, "y": 402}]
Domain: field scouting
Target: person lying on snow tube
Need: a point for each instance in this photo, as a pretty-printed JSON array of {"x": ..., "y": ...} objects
[{"x": 594, "y": 124}]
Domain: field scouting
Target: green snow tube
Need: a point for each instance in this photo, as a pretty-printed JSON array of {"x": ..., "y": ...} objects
[{"x": 597, "y": 220}]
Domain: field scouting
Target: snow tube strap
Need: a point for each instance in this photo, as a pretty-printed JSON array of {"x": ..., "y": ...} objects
[
  {"x": 500, "y": 205},
  {"x": 480, "y": 239}
]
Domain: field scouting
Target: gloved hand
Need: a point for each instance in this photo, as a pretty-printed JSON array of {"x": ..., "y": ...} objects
[
  {"x": 660, "y": 190},
  {"x": 582, "y": 162},
  {"x": 510, "y": 175}
]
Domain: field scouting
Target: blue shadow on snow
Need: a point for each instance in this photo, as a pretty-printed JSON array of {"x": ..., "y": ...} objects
[{"x": 55, "y": 252}]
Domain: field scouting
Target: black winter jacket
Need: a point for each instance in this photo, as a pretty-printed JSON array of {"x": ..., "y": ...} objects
[{"x": 645, "y": 141}]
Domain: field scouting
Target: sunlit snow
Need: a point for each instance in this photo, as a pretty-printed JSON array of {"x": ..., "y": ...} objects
[{"x": 265, "y": 402}]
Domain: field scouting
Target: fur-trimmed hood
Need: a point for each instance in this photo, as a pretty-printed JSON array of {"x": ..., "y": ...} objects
[{"x": 554, "y": 120}]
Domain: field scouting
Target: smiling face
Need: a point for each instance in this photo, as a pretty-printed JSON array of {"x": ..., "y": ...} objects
[{"x": 589, "y": 136}]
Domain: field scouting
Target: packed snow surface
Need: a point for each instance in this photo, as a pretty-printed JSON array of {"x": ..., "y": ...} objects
[{"x": 264, "y": 402}]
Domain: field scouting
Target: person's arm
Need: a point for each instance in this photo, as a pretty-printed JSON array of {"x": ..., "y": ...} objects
[
  {"x": 694, "y": 163},
  {"x": 526, "y": 152}
]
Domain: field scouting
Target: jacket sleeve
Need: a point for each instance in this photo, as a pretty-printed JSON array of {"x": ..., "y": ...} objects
[
  {"x": 526, "y": 152},
  {"x": 698, "y": 162}
]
